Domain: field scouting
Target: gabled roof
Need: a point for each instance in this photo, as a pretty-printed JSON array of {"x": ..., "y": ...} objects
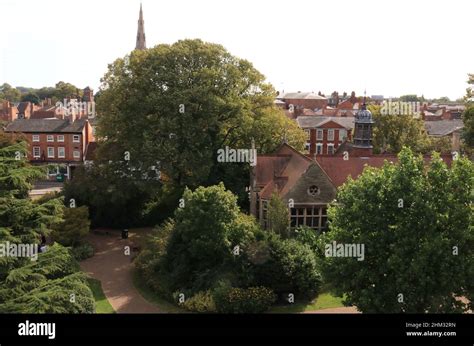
[
  {"x": 281, "y": 170},
  {"x": 46, "y": 126},
  {"x": 316, "y": 121}
]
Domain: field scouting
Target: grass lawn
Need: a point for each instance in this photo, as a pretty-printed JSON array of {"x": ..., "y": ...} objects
[
  {"x": 152, "y": 297},
  {"x": 323, "y": 301},
  {"x": 102, "y": 305}
]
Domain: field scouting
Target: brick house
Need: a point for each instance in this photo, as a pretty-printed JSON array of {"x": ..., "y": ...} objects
[
  {"x": 61, "y": 142},
  {"x": 325, "y": 134}
]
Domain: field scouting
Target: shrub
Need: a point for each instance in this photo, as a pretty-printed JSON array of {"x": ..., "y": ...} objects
[
  {"x": 287, "y": 267},
  {"x": 83, "y": 251},
  {"x": 75, "y": 227},
  {"x": 200, "y": 302},
  {"x": 243, "y": 300}
]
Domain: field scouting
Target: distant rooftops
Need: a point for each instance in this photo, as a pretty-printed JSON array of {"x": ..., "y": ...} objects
[
  {"x": 301, "y": 95},
  {"x": 443, "y": 127}
]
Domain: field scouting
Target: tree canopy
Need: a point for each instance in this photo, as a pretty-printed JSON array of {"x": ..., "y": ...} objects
[
  {"x": 178, "y": 104},
  {"x": 416, "y": 225}
]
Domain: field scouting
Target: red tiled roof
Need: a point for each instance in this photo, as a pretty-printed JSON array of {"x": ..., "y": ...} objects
[
  {"x": 339, "y": 169},
  {"x": 280, "y": 171}
]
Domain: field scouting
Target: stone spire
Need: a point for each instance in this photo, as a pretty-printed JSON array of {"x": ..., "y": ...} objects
[{"x": 141, "y": 42}]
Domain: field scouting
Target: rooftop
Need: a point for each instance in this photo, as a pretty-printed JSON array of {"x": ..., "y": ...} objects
[{"x": 46, "y": 126}]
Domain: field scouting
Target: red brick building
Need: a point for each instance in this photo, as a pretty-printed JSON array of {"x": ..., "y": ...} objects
[
  {"x": 325, "y": 134},
  {"x": 55, "y": 141}
]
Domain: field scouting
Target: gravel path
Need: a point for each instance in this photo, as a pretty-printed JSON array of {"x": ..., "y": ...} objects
[{"x": 114, "y": 269}]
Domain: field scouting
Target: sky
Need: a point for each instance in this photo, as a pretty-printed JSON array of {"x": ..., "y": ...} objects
[{"x": 385, "y": 47}]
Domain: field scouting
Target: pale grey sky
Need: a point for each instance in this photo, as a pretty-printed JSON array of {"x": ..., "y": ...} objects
[{"x": 386, "y": 47}]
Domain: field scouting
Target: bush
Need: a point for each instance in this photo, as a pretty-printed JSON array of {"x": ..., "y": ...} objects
[
  {"x": 83, "y": 251},
  {"x": 287, "y": 267},
  {"x": 200, "y": 302},
  {"x": 243, "y": 300},
  {"x": 75, "y": 227}
]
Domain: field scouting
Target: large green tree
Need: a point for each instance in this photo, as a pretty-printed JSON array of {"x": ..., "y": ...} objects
[
  {"x": 178, "y": 104},
  {"x": 416, "y": 225},
  {"x": 208, "y": 234},
  {"x": 392, "y": 132},
  {"x": 51, "y": 283}
]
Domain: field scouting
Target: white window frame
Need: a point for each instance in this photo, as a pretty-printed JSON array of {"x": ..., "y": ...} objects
[
  {"x": 63, "y": 149},
  {"x": 318, "y": 132},
  {"x": 50, "y": 156},
  {"x": 50, "y": 138},
  {"x": 39, "y": 152},
  {"x": 78, "y": 156},
  {"x": 342, "y": 135},
  {"x": 308, "y": 134},
  {"x": 330, "y": 134},
  {"x": 35, "y": 138},
  {"x": 60, "y": 138},
  {"x": 319, "y": 145},
  {"x": 330, "y": 145},
  {"x": 78, "y": 139}
]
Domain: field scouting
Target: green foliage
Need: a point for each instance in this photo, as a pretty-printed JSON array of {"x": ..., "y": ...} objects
[
  {"x": 57, "y": 93},
  {"x": 468, "y": 131},
  {"x": 16, "y": 174},
  {"x": 9, "y": 93},
  {"x": 114, "y": 200},
  {"x": 31, "y": 97},
  {"x": 205, "y": 234},
  {"x": 83, "y": 251},
  {"x": 200, "y": 99},
  {"x": 27, "y": 285},
  {"x": 289, "y": 267},
  {"x": 411, "y": 219},
  {"x": 243, "y": 300},
  {"x": 200, "y": 302},
  {"x": 46, "y": 285},
  {"x": 278, "y": 216},
  {"x": 74, "y": 228},
  {"x": 392, "y": 132}
]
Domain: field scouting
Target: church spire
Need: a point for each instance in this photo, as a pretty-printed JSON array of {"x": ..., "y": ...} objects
[{"x": 141, "y": 42}]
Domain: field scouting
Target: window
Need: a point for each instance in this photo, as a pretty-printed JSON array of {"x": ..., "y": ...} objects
[
  {"x": 330, "y": 134},
  {"x": 50, "y": 152},
  {"x": 60, "y": 138},
  {"x": 319, "y": 149},
  {"x": 36, "y": 152},
  {"x": 76, "y": 154},
  {"x": 313, "y": 190},
  {"x": 319, "y": 134},
  {"x": 308, "y": 134},
  {"x": 61, "y": 153},
  {"x": 313, "y": 216},
  {"x": 36, "y": 138},
  {"x": 75, "y": 138},
  {"x": 342, "y": 135},
  {"x": 50, "y": 138},
  {"x": 330, "y": 149}
]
